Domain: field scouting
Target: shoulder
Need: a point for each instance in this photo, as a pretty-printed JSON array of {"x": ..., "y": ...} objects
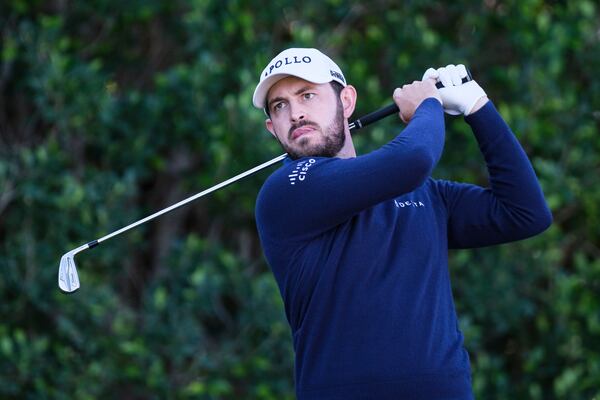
[
  {"x": 288, "y": 174},
  {"x": 287, "y": 179},
  {"x": 293, "y": 174}
]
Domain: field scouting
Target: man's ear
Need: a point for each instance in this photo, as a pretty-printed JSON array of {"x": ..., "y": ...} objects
[
  {"x": 269, "y": 125},
  {"x": 348, "y": 96}
]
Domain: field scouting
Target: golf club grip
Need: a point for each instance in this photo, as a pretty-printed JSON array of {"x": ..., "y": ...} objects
[
  {"x": 466, "y": 79},
  {"x": 375, "y": 116},
  {"x": 391, "y": 109}
]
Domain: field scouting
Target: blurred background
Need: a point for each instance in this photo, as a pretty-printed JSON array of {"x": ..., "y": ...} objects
[{"x": 111, "y": 110}]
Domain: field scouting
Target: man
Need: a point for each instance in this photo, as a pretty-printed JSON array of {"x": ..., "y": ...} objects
[{"x": 358, "y": 244}]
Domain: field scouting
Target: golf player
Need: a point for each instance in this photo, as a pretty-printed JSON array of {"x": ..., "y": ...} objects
[{"x": 359, "y": 244}]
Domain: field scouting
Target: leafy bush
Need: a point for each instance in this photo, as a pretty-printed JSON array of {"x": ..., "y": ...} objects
[{"x": 111, "y": 110}]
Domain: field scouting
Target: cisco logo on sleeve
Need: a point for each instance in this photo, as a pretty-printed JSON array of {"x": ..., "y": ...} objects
[{"x": 299, "y": 173}]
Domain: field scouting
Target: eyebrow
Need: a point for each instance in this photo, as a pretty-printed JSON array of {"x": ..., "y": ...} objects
[{"x": 296, "y": 93}]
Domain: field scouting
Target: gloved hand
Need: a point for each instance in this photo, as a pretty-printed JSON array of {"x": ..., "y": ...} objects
[{"x": 457, "y": 97}]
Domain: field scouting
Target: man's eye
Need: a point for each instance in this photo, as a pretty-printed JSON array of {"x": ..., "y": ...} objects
[
  {"x": 308, "y": 96},
  {"x": 278, "y": 106}
]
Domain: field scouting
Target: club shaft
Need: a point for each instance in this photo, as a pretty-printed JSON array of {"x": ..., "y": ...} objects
[{"x": 194, "y": 197}]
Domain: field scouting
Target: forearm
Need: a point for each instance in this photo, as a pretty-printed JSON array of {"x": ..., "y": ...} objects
[
  {"x": 513, "y": 207},
  {"x": 511, "y": 175}
]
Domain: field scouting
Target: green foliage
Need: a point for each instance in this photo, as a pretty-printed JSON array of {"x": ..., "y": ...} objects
[{"x": 111, "y": 110}]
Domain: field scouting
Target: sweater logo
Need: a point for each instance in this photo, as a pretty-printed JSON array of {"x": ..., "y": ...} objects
[
  {"x": 408, "y": 203},
  {"x": 299, "y": 173}
]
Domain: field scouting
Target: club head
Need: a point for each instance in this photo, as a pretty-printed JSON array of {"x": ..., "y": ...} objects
[{"x": 68, "y": 280}]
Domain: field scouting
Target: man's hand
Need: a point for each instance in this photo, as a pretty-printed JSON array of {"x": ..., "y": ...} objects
[
  {"x": 409, "y": 97},
  {"x": 457, "y": 97}
]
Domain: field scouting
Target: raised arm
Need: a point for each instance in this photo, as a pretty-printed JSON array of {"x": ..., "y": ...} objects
[{"x": 512, "y": 208}]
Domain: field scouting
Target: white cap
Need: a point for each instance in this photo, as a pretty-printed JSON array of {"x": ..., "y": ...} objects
[{"x": 308, "y": 64}]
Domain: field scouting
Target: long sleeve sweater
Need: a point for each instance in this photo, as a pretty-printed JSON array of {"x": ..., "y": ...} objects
[{"x": 359, "y": 249}]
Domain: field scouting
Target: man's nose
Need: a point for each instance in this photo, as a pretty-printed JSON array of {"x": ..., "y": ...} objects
[{"x": 297, "y": 113}]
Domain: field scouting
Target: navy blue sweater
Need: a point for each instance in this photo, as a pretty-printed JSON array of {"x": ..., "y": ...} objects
[{"x": 359, "y": 249}]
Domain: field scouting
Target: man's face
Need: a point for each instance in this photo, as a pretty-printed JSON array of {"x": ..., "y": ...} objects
[{"x": 306, "y": 118}]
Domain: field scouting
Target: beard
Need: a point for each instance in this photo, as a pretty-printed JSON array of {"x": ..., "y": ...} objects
[{"x": 333, "y": 137}]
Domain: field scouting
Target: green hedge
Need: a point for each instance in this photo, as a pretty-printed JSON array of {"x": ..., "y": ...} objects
[{"x": 111, "y": 110}]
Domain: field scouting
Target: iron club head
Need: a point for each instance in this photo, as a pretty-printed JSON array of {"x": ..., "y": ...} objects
[{"x": 68, "y": 280}]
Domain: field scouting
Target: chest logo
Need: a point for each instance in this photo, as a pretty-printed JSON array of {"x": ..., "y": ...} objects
[{"x": 408, "y": 203}]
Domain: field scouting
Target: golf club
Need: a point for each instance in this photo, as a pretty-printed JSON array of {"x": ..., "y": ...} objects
[{"x": 68, "y": 279}]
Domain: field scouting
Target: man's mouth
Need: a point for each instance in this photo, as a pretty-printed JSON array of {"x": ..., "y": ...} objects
[{"x": 301, "y": 131}]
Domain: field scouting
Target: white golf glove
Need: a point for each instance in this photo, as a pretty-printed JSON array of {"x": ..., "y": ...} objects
[{"x": 457, "y": 97}]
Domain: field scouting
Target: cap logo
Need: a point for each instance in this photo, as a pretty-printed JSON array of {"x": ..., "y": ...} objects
[
  {"x": 336, "y": 74},
  {"x": 287, "y": 61}
]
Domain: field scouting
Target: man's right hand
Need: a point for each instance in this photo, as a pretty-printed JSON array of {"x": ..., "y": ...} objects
[{"x": 409, "y": 97}]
